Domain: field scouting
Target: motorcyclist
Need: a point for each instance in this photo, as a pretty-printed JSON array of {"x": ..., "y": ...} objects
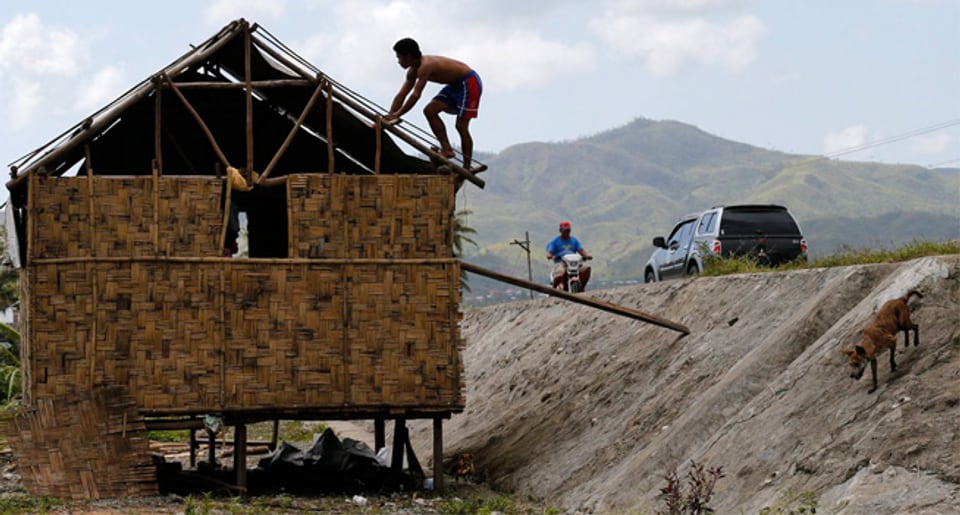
[{"x": 562, "y": 245}]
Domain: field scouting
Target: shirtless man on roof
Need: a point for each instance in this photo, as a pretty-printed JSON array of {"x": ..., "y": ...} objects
[{"x": 460, "y": 96}]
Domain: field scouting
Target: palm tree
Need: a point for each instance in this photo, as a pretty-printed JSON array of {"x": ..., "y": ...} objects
[{"x": 460, "y": 230}]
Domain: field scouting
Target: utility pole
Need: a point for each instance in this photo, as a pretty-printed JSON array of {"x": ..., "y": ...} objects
[{"x": 525, "y": 245}]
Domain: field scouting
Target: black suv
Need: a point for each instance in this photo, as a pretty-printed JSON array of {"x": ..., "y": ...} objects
[{"x": 768, "y": 232}]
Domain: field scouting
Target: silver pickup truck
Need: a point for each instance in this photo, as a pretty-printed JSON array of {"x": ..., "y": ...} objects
[{"x": 767, "y": 232}]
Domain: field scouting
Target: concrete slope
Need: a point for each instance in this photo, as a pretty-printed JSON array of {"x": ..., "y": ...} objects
[{"x": 587, "y": 410}]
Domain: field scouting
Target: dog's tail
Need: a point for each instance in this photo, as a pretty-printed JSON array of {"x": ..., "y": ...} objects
[{"x": 912, "y": 293}]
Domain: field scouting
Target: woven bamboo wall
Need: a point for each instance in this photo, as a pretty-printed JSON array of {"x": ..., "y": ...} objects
[
  {"x": 385, "y": 216},
  {"x": 371, "y": 321},
  {"x": 131, "y": 216},
  {"x": 87, "y": 446}
]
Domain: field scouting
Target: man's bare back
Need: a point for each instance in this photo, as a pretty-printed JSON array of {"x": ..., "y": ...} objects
[{"x": 436, "y": 68}]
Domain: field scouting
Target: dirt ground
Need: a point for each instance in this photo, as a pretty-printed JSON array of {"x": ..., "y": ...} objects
[{"x": 587, "y": 411}]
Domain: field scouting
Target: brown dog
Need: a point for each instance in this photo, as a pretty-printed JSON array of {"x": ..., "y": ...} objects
[{"x": 881, "y": 335}]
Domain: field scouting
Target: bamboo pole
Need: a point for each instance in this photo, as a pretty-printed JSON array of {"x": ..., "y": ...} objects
[
  {"x": 378, "y": 131},
  {"x": 227, "y": 211},
  {"x": 257, "y": 84},
  {"x": 259, "y": 261},
  {"x": 466, "y": 174},
  {"x": 392, "y": 127},
  {"x": 580, "y": 299},
  {"x": 90, "y": 202},
  {"x": 247, "y": 78},
  {"x": 136, "y": 94},
  {"x": 329, "y": 133},
  {"x": 293, "y": 132},
  {"x": 291, "y": 247},
  {"x": 156, "y": 210},
  {"x": 157, "y": 124},
  {"x": 199, "y": 120}
]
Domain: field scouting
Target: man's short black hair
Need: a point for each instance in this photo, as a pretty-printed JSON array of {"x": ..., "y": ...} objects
[{"x": 407, "y": 46}]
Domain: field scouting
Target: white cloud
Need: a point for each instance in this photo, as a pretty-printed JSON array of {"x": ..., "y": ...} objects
[
  {"x": 359, "y": 48},
  {"x": 844, "y": 139},
  {"x": 222, "y": 11},
  {"x": 667, "y": 45},
  {"x": 29, "y": 46},
  {"x": 931, "y": 144},
  {"x": 27, "y": 100},
  {"x": 106, "y": 85}
]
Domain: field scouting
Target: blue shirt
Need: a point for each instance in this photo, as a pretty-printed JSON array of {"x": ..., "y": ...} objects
[{"x": 560, "y": 247}]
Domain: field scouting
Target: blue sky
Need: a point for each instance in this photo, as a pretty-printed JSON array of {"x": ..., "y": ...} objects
[{"x": 809, "y": 77}]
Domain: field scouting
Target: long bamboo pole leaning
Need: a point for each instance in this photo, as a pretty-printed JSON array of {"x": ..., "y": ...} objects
[
  {"x": 196, "y": 116},
  {"x": 293, "y": 132},
  {"x": 580, "y": 299}
]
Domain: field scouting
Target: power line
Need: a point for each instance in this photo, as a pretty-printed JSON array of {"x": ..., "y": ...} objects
[{"x": 893, "y": 139}]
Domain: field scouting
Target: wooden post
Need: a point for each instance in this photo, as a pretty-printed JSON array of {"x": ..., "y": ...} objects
[
  {"x": 438, "y": 455},
  {"x": 193, "y": 448},
  {"x": 329, "y": 88},
  {"x": 155, "y": 229},
  {"x": 276, "y": 434},
  {"x": 240, "y": 457},
  {"x": 378, "y": 130},
  {"x": 212, "y": 449},
  {"x": 379, "y": 434},
  {"x": 580, "y": 299},
  {"x": 248, "y": 77},
  {"x": 226, "y": 215},
  {"x": 157, "y": 123},
  {"x": 399, "y": 434}
]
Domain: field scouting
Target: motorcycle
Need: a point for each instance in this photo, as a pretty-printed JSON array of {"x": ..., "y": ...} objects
[{"x": 573, "y": 280}]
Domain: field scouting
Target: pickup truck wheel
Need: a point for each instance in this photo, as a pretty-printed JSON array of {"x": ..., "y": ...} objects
[
  {"x": 649, "y": 277},
  {"x": 693, "y": 269}
]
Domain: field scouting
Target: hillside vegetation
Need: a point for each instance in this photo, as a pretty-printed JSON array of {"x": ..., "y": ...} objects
[
  {"x": 588, "y": 411},
  {"x": 622, "y": 187}
]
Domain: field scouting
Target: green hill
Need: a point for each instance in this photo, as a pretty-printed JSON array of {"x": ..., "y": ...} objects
[{"x": 622, "y": 187}]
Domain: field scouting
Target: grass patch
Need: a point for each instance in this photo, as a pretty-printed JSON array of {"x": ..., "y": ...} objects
[
  {"x": 27, "y": 504},
  {"x": 847, "y": 256}
]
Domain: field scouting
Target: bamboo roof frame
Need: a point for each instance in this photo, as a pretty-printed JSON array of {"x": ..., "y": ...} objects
[{"x": 286, "y": 70}]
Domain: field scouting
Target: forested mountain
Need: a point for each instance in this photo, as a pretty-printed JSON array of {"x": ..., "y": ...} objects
[{"x": 622, "y": 187}]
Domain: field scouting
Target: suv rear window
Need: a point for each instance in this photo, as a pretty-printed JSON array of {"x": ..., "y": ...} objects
[{"x": 749, "y": 221}]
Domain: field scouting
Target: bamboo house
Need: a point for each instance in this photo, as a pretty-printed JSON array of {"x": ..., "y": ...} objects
[{"x": 136, "y": 313}]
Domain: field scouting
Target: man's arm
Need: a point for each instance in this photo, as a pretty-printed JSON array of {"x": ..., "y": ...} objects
[
  {"x": 404, "y": 90},
  {"x": 411, "y": 87}
]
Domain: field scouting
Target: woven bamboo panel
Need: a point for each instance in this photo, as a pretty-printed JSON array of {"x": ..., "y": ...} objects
[
  {"x": 123, "y": 217},
  {"x": 155, "y": 324},
  {"x": 88, "y": 446},
  {"x": 203, "y": 337},
  {"x": 190, "y": 215},
  {"x": 60, "y": 224},
  {"x": 382, "y": 216},
  {"x": 284, "y": 336},
  {"x": 404, "y": 337},
  {"x": 61, "y": 319},
  {"x": 189, "y": 211}
]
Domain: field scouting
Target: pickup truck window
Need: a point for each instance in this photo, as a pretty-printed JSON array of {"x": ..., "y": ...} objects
[
  {"x": 749, "y": 222},
  {"x": 682, "y": 235},
  {"x": 707, "y": 223}
]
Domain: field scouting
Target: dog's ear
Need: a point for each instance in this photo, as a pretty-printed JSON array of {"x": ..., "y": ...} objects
[{"x": 860, "y": 350}]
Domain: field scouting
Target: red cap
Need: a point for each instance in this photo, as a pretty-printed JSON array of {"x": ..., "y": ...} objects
[{"x": 564, "y": 226}]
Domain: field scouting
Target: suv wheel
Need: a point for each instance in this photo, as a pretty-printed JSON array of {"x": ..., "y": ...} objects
[
  {"x": 693, "y": 269},
  {"x": 649, "y": 277}
]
